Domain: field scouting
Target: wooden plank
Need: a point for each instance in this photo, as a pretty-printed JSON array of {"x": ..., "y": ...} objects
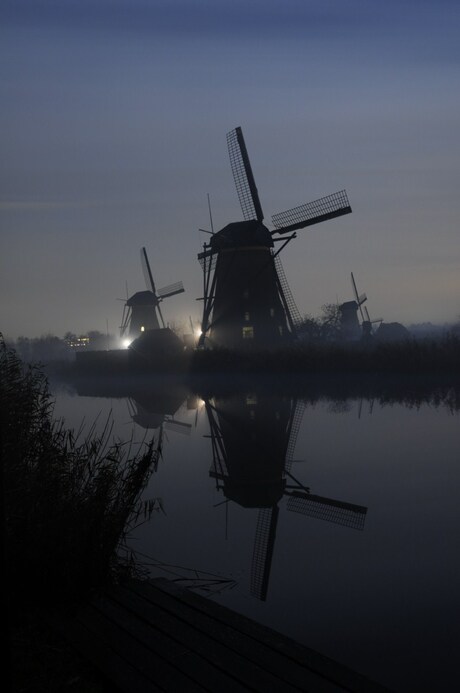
[
  {"x": 150, "y": 636},
  {"x": 149, "y": 626},
  {"x": 223, "y": 661},
  {"x": 104, "y": 658},
  {"x": 240, "y": 650},
  {"x": 128, "y": 649},
  {"x": 304, "y": 656}
]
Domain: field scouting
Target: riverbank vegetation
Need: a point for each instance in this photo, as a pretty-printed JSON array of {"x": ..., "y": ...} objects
[
  {"x": 68, "y": 499},
  {"x": 411, "y": 356}
]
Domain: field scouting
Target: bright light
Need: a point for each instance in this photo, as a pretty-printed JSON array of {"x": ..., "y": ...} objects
[
  {"x": 126, "y": 343},
  {"x": 198, "y": 333}
]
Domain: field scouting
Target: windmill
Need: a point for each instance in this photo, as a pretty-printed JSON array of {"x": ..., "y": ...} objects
[
  {"x": 253, "y": 441},
  {"x": 246, "y": 298},
  {"x": 142, "y": 311},
  {"x": 349, "y": 315}
]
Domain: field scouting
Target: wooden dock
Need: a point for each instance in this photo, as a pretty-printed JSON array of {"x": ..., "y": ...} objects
[{"x": 152, "y": 636}]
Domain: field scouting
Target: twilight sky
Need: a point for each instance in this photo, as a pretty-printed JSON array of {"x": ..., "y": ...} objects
[{"x": 113, "y": 120}]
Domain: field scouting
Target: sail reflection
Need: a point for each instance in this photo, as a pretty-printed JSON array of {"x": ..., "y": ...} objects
[{"x": 253, "y": 441}]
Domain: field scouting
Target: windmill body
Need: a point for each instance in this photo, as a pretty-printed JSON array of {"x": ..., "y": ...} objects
[
  {"x": 247, "y": 304},
  {"x": 247, "y": 301},
  {"x": 349, "y": 322},
  {"x": 253, "y": 441},
  {"x": 255, "y": 435},
  {"x": 142, "y": 312},
  {"x": 351, "y": 328}
]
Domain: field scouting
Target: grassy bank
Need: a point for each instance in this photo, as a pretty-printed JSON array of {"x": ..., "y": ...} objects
[{"x": 409, "y": 356}]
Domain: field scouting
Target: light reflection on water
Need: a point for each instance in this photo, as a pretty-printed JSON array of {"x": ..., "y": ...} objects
[{"x": 365, "y": 573}]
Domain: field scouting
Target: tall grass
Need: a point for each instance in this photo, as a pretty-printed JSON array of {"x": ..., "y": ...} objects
[
  {"x": 405, "y": 357},
  {"x": 68, "y": 498}
]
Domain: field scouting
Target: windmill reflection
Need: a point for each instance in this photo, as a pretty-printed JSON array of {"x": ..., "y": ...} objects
[{"x": 253, "y": 440}]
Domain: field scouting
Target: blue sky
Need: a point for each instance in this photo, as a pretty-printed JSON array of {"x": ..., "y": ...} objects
[{"x": 114, "y": 118}]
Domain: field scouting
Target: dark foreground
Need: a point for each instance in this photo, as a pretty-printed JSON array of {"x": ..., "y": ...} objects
[{"x": 154, "y": 636}]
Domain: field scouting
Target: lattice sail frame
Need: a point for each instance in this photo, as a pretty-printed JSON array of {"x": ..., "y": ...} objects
[
  {"x": 324, "y": 208},
  {"x": 243, "y": 176},
  {"x": 338, "y": 512}
]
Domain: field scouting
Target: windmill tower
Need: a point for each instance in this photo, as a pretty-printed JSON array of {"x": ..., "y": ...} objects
[
  {"x": 253, "y": 441},
  {"x": 349, "y": 320},
  {"x": 246, "y": 298},
  {"x": 142, "y": 311}
]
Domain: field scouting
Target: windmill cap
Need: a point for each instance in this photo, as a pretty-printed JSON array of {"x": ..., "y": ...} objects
[
  {"x": 242, "y": 233},
  {"x": 142, "y": 298}
]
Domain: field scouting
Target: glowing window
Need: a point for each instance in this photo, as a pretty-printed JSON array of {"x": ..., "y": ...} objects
[
  {"x": 246, "y": 317},
  {"x": 142, "y": 328},
  {"x": 248, "y": 332}
]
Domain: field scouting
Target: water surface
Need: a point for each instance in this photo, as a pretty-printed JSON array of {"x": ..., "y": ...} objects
[{"x": 334, "y": 522}]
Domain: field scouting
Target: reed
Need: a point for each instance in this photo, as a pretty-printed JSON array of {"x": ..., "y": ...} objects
[{"x": 68, "y": 497}]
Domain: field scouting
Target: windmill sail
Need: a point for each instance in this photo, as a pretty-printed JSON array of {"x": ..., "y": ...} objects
[
  {"x": 338, "y": 512},
  {"x": 171, "y": 290},
  {"x": 263, "y": 551},
  {"x": 243, "y": 176},
  {"x": 147, "y": 272},
  {"x": 359, "y": 299},
  {"x": 324, "y": 208}
]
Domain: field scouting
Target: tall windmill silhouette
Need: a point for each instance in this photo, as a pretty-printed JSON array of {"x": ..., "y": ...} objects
[
  {"x": 142, "y": 311},
  {"x": 253, "y": 441},
  {"x": 246, "y": 298}
]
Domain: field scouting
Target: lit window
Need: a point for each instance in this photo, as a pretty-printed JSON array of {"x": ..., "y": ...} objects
[
  {"x": 251, "y": 399},
  {"x": 142, "y": 328},
  {"x": 248, "y": 333},
  {"x": 272, "y": 312},
  {"x": 246, "y": 317},
  {"x": 280, "y": 329}
]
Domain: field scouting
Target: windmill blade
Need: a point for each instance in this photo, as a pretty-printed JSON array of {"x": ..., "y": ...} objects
[
  {"x": 243, "y": 176},
  {"x": 263, "y": 551},
  {"x": 338, "y": 512},
  {"x": 355, "y": 290},
  {"x": 171, "y": 290},
  {"x": 324, "y": 208},
  {"x": 362, "y": 298},
  {"x": 178, "y": 427},
  {"x": 369, "y": 319},
  {"x": 125, "y": 320},
  {"x": 147, "y": 272},
  {"x": 357, "y": 296}
]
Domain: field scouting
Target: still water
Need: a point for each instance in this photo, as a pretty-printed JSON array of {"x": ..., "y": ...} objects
[{"x": 335, "y": 523}]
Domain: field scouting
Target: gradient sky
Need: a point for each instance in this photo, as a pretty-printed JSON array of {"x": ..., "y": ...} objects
[{"x": 113, "y": 119}]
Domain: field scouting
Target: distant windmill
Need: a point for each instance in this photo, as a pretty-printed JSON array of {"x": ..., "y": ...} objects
[
  {"x": 253, "y": 441},
  {"x": 366, "y": 322},
  {"x": 142, "y": 311},
  {"x": 349, "y": 321},
  {"x": 246, "y": 298}
]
